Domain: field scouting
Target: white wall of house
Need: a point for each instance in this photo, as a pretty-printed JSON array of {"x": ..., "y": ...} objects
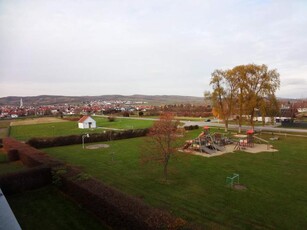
[{"x": 87, "y": 124}]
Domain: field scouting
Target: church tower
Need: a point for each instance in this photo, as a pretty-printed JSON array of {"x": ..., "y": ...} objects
[{"x": 21, "y": 103}]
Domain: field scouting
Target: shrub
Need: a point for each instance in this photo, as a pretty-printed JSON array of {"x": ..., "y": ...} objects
[
  {"x": 111, "y": 118},
  {"x": 191, "y": 127},
  {"x": 126, "y": 114}
]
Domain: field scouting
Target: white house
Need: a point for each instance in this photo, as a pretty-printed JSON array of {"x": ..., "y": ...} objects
[{"x": 86, "y": 122}]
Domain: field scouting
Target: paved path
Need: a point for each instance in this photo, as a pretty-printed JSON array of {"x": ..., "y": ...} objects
[
  {"x": 230, "y": 126},
  {"x": 244, "y": 127}
]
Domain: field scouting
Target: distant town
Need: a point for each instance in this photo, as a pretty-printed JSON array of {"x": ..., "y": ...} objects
[{"x": 289, "y": 109}]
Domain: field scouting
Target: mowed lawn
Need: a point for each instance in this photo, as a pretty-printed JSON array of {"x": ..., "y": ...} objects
[
  {"x": 25, "y": 132},
  {"x": 276, "y": 182}
]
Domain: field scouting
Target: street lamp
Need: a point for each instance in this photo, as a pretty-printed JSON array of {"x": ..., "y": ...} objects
[{"x": 83, "y": 136}]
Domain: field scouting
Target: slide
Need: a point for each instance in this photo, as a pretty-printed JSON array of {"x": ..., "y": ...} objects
[
  {"x": 217, "y": 147},
  {"x": 207, "y": 150},
  {"x": 187, "y": 145}
]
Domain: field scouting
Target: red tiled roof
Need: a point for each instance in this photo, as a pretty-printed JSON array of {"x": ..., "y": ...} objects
[{"x": 82, "y": 119}]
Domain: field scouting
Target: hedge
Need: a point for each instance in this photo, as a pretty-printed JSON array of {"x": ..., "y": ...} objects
[
  {"x": 191, "y": 127},
  {"x": 115, "y": 207},
  {"x": 12, "y": 155},
  {"x": 24, "y": 180},
  {"x": 77, "y": 139},
  {"x": 29, "y": 156}
]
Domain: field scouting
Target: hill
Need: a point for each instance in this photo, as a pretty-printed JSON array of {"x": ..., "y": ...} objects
[{"x": 55, "y": 100}]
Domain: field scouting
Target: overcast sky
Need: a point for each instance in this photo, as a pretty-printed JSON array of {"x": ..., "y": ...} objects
[{"x": 88, "y": 47}]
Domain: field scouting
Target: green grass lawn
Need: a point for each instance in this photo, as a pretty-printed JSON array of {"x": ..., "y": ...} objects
[
  {"x": 25, "y": 132},
  {"x": 47, "y": 208},
  {"x": 275, "y": 198}
]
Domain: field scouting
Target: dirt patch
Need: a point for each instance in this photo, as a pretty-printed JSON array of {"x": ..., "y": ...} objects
[
  {"x": 40, "y": 120},
  {"x": 258, "y": 148},
  {"x": 239, "y": 187},
  {"x": 97, "y": 146}
]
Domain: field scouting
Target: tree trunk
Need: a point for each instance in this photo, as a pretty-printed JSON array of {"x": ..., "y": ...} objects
[
  {"x": 226, "y": 125},
  {"x": 165, "y": 170},
  {"x": 166, "y": 159},
  {"x": 252, "y": 119},
  {"x": 240, "y": 112}
]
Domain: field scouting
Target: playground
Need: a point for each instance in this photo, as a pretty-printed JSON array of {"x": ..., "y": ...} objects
[
  {"x": 208, "y": 144},
  {"x": 269, "y": 188}
]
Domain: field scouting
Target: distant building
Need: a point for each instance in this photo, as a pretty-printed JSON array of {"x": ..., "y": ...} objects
[
  {"x": 21, "y": 103},
  {"x": 86, "y": 122},
  {"x": 14, "y": 115}
]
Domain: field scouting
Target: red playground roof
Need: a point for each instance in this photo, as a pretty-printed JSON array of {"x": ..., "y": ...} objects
[{"x": 250, "y": 131}]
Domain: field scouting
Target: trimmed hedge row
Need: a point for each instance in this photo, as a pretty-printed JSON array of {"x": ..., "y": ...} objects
[
  {"x": 191, "y": 127},
  {"x": 29, "y": 156},
  {"x": 109, "y": 204},
  {"x": 25, "y": 180},
  {"x": 116, "y": 208},
  {"x": 77, "y": 139}
]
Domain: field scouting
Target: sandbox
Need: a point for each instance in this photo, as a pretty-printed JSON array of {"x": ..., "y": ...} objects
[
  {"x": 97, "y": 146},
  {"x": 258, "y": 148}
]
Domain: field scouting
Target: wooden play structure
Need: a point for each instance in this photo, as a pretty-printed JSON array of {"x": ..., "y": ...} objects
[
  {"x": 246, "y": 142},
  {"x": 207, "y": 143}
]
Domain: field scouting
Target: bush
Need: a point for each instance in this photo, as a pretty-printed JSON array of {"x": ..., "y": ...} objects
[
  {"x": 126, "y": 114},
  {"x": 191, "y": 127},
  {"x": 111, "y": 118}
]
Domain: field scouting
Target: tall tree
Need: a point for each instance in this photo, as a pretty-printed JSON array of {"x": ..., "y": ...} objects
[
  {"x": 242, "y": 89},
  {"x": 260, "y": 82},
  {"x": 163, "y": 135},
  {"x": 238, "y": 73},
  {"x": 224, "y": 94}
]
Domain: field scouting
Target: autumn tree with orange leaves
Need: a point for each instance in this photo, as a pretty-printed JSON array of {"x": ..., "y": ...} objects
[{"x": 163, "y": 135}]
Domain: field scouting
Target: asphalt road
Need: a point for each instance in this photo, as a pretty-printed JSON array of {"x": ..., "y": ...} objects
[
  {"x": 244, "y": 127},
  {"x": 230, "y": 126}
]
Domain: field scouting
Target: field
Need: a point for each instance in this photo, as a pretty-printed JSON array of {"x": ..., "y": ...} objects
[
  {"x": 276, "y": 182},
  {"x": 25, "y": 132}
]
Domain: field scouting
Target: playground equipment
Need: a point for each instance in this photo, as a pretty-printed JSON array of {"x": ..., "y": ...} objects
[
  {"x": 207, "y": 143},
  {"x": 247, "y": 142}
]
